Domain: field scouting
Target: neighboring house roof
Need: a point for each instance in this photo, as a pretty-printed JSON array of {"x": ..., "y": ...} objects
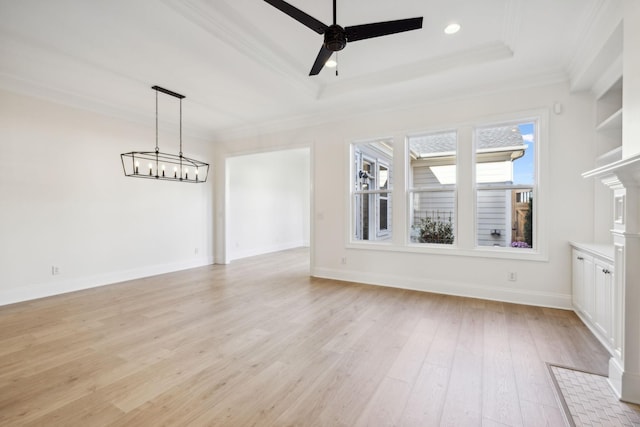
[{"x": 491, "y": 139}]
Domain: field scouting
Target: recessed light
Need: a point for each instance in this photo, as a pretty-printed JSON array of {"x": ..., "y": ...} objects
[
  {"x": 331, "y": 63},
  {"x": 452, "y": 28}
]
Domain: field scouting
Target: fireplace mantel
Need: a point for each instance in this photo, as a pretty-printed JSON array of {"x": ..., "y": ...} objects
[
  {"x": 623, "y": 177},
  {"x": 627, "y": 170}
]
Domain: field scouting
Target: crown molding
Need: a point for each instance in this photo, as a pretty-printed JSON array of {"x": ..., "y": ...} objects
[
  {"x": 31, "y": 55},
  {"x": 419, "y": 70},
  {"x": 32, "y": 89},
  {"x": 600, "y": 44},
  {"x": 224, "y": 23},
  {"x": 400, "y": 103}
]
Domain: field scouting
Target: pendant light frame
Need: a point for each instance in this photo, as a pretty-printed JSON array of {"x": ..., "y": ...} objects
[{"x": 164, "y": 166}]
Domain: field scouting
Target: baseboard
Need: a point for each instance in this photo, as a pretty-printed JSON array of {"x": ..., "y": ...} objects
[
  {"x": 606, "y": 344},
  {"x": 494, "y": 293},
  {"x": 63, "y": 286},
  {"x": 615, "y": 376},
  {"x": 630, "y": 390},
  {"x": 267, "y": 249}
]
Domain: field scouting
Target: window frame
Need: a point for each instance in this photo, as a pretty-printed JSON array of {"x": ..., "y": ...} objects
[
  {"x": 464, "y": 244},
  {"x": 536, "y": 120},
  {"x": 411, "y": 190},
  {"x": 356, "y": 159},
  {"x": 382, "y": 232}
]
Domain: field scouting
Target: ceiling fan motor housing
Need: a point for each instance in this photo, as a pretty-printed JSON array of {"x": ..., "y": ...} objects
[{"x": 335, "y": 38}]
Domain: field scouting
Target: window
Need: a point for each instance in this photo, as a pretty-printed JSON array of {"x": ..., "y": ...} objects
[
  {"x": 371, "y": 190},
  {"x": 476, "y": 189},
  {"x": 505, "y": 180},
  {"x": 432, "y": 167}
]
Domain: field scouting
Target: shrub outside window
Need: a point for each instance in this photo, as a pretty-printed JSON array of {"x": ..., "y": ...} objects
[{"x": 432, "y": 169}]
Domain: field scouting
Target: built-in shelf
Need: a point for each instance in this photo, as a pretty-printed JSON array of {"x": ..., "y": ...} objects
[
  {"x": 609, "y": 157},
  {"x": 613, "y": 122},
  {"x": 609, "y": 116}
]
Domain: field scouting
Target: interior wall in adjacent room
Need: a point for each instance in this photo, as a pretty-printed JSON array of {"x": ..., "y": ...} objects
[{"x": 269, "y": 196}]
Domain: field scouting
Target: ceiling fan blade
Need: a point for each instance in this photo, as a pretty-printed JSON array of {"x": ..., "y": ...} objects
[
  {"x": 323, "y": 56},
  {"x": 298, "y": 15},
  {"x": 367, "y": 31}
]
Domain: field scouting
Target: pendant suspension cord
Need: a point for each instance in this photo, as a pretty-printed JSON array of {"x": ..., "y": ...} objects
[
  {"x": 157, "y": 149},
  {"x": 180, "y": 138}
]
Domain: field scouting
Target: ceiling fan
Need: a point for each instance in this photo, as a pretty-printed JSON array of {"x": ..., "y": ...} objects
[{"x": 336, "y": 37}]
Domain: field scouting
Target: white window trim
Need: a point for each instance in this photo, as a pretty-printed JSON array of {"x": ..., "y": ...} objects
[
  {"x": 540, "y": 240},
  {"x": 352, "y": 238},
  {"x": 388, "y": 191},
  {"x": 541, "y": 244},
  {"x": 447, "y": 187}
]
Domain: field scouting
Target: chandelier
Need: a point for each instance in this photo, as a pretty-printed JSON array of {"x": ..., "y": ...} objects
[{"x": 164, "y": 166}]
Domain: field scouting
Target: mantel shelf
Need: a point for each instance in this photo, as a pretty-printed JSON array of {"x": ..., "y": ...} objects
[{"x": 627, "y": 169}]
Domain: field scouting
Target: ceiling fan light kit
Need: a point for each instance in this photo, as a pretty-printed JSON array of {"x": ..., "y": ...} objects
[
  {"x": 164, "y": 166},
  {"x": 337, "y": 37},
  {"x": 452, "y": 28}
]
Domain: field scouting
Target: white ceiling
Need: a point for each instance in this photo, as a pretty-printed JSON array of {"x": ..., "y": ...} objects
[{"x": 243, "y": 64}]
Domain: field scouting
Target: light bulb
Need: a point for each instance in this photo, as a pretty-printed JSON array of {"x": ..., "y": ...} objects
[{"x": 452, "y": 28}]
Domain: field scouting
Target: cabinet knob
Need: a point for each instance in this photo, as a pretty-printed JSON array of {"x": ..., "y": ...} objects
[{"x": 580, "y": 258}]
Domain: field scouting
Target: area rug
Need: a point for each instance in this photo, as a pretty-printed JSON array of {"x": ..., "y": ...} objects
[{"x": 588, "y": 400}]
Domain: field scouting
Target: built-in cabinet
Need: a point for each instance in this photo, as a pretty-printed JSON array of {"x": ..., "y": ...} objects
[
  {"x": 614, "y": 316},
  {"x": 593, "y": 289}
]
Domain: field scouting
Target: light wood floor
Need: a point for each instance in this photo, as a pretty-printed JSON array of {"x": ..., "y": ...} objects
[{"x": 258, "y": 342}]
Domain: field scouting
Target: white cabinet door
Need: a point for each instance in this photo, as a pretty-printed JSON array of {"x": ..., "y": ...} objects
[
  {"x": 577, "y": 282},
  {"x": 604, "y": 298},
  {"x": 588, "y": 287},
  {"x": 594, "y": 296}
]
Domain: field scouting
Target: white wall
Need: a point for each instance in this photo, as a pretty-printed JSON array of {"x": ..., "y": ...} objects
[
  {"x": 569, "y": 198},
  {"x": 268, "y": 202},
  {"x": 65, "y": 202}
]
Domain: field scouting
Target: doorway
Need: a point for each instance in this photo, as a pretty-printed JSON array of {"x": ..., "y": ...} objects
[{"x": 268, "y": 202}]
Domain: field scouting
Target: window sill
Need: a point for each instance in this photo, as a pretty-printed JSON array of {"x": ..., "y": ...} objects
[{"x": 453, "y": 250}]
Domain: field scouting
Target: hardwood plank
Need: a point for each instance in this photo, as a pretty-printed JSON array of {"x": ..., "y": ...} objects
[
  {"x": 426, "y": 400},
  {"x": 499, "y": 390},
  {"x": 463, "y": 404}
]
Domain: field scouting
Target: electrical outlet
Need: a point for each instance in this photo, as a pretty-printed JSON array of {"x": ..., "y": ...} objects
[
  {"x": 513, "y": 276},
  {"x": 196, "y": 251},
  {"x": 55, "y": 270},
  {"x": 343, "y": 260}
]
